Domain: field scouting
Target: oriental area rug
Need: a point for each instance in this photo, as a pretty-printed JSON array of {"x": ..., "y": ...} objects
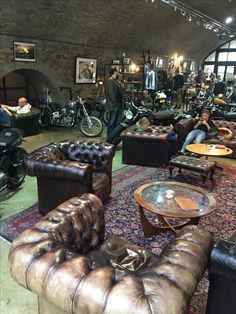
[{"x": 122, "y": 215}]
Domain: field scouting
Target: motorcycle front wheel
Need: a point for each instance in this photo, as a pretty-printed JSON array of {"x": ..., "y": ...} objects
[
  {"x": 45, "y": 120},
  {"x": 91, "y": 126},
  {"x": 106, "y": 116},
  {"x": 16, "y": 172},
  {"x": 114, "y": 137}
]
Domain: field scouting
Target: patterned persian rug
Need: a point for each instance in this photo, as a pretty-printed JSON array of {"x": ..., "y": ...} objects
[{"x": 122, "y": 215}]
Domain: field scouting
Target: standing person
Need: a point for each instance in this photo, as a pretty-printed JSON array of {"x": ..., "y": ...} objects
[
  {"x": 6, "y": 111},
  {"x": 114, "y": 99},
  {"x": 178, "y": 83},
  {"x": 201, "y": 128}
]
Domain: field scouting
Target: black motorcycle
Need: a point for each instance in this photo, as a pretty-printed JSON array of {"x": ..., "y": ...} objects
[
  {"x": 97, "y": 108},
  {"x": 12, "y": 172},
  {"x": 134, "y": 114},
  {"x": 74, "y": 112}
]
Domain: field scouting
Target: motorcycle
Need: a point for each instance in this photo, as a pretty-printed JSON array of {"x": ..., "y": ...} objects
[
  {"x": 97, "y": 108},
  {"x": 217, "y": 111},
  {"x": 160, "y": 101},
  {"x": 12, "y": 172},
  {"x": 134, "y": 113},
  {"x": 73, "y": 113}
]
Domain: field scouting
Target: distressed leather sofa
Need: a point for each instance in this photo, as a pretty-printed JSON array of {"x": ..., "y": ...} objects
[
  {"x": 64, "y": 260},
  {"x": 222, "y": 277},
  {"x": 70, "y": 168},
  {"x": 146, "y": 148},
  {"x": 183, "y": 127},
  {"x": 28, "y": 123}
]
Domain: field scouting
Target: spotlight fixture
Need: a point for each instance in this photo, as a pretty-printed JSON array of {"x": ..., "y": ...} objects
[
  {"x": 201, "y": 18},
  {"x": 229, "y": 20}
]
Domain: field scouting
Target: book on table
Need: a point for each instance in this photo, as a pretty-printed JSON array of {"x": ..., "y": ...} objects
[{"x": 186, "y": 203}]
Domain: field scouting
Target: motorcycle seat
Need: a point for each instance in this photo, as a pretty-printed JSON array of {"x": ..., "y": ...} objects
[{"x": 10, "y": 137}]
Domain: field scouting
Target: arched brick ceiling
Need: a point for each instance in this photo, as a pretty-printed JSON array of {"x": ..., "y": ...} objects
[{"x": 130, "y": 24}]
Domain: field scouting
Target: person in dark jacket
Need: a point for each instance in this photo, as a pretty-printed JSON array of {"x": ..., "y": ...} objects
[
  {"x": 201, "y": 128},
  {"x": 178, "y": 83},
  {"x": 114, "y": 100}
]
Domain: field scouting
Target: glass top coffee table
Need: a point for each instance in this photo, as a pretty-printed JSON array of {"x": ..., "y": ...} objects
[{"x": 163, "y": 199}]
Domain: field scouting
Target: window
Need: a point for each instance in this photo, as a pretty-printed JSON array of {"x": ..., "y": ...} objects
[
  {"x": 232, "y": 56},
  {"x": 223, "y": 56},
  {"x": 222, "y": 61},
  {"x": 233, "y": 44},
  {"x": 209, "y": 68},
  {"x": 211, "y": 57},
  {"x": 225, "y": 46},
  {"x": 221, "y": 72}
]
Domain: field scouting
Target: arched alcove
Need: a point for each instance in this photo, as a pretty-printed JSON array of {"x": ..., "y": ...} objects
[{"x": 29, "y": 83}]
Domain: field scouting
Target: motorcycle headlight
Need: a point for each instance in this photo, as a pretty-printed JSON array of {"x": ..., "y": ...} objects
[{"x": 128, "y": 115}]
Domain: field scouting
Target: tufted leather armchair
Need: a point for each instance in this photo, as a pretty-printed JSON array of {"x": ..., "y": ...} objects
[
  {"x": 146, "y": 148},
  {"x": 222, "y": 277},
  {"x": 70, "y": 168},
  {"x": 183, "y": 127},
  {"x": 64, "y": 259},
  {"x": 28, "y": 123}
]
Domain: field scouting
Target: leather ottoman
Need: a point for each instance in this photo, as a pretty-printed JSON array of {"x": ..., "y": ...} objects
[{"x": 203, "y": 167}]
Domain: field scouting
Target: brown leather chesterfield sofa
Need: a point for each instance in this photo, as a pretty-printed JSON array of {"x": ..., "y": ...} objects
[
  {"x": 183, "y": 127},
  {"x": 146, "y": 148},
  {"x": 222, "y": 277},
  {"x": 70, "y": 168},
  {"x": 64, "y": 260}
]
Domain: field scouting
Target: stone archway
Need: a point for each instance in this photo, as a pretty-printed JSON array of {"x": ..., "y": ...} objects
[{"x": 25, "y": 82}]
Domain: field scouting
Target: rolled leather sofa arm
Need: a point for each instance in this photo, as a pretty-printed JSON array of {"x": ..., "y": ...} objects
[
  {"x": 52, "y": 168},
  {"x": 182, "y": 265},
  {"x": 75, "y": 227},
  {"x": 223, "y": 259},
  {"x": 183, "y": 127}
]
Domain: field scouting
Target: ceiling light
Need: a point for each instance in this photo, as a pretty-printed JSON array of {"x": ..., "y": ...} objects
[
  {"x": 190, "y": 18},
  {"x": 228, "y": 20}
]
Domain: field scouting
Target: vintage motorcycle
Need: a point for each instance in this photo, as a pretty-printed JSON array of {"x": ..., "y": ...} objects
[
  {"x": 12, "y": 172},
  {"x": 161, "y": 101},
  {"x": 74, "y": 112},
  {"x": 97, "y": 108}
]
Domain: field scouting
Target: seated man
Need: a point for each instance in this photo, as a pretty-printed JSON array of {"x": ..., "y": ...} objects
[
  {"x": 144, "y": 125},
  {"x": 6, "y": 111},
  {"x": 146, "y": 100}
]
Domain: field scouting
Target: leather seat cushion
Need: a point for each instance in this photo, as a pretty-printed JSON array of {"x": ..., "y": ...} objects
[{"x": 123, "y": 256}]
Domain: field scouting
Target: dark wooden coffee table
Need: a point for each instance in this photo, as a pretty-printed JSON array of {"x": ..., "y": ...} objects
[{"x": 153, "y": 197}]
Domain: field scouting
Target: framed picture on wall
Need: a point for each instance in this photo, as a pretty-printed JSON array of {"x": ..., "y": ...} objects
[
  {"x": 85, "y": 70},
  {"x": 24, "y": 51}
]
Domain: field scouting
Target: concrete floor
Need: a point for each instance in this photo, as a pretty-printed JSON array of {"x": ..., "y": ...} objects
[{"x": 14, "y": 298}]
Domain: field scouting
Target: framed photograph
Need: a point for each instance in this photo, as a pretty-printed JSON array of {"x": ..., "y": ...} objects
[
  {"x": 86, "y": 71},
  {"x": 116, "y": 61},
  {"x": 24, "y": 52}
]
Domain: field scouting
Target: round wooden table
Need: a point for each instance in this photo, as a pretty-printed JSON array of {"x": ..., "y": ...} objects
[
  {"x": 209, "y": 149},
  {"x": 153, "y": 197}
]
